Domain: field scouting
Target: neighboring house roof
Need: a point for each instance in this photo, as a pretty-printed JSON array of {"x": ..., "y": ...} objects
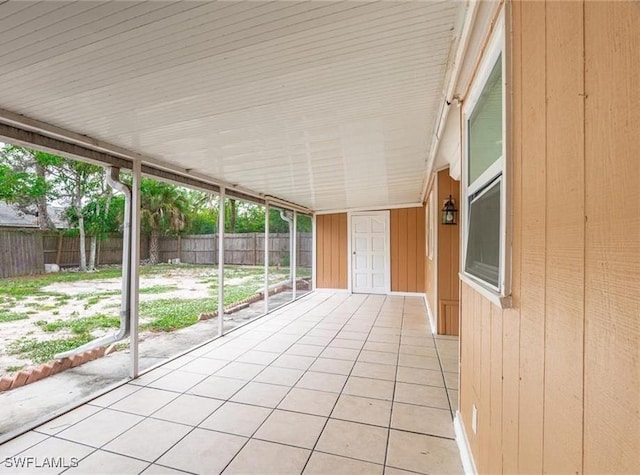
[{"x": 12, "y": 217}]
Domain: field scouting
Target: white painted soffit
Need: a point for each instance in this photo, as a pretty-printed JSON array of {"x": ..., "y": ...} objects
[{"x": 325, "y": 104}]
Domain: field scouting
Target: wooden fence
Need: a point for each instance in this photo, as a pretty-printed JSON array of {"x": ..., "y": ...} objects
[{"x": 25, "y": 252}]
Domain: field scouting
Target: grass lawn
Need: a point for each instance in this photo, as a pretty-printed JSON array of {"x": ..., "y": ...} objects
[{"x": 47, "y": 314}]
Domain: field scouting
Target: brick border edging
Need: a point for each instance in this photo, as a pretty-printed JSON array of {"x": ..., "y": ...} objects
[{"x": 36, "y": 373}]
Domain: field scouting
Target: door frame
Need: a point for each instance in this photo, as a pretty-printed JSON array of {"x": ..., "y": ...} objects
[{"x": 387, "y": 257}]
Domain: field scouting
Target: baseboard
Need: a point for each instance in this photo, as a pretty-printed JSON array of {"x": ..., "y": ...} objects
[
  {"x": 463, "y": 446},
  {"x": 432, "y": 320}
]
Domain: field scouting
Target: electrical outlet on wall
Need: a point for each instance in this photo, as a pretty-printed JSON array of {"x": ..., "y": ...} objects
[{"x": 474, "y": 419}]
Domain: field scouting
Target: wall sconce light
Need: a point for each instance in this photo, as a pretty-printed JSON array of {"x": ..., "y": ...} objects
[{"x": 449, "y": 212}]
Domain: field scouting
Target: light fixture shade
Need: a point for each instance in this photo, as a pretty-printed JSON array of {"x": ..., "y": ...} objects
[{"x": 449, "y": 212}]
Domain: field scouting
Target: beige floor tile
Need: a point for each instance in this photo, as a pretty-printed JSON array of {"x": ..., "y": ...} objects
[
  {"x": 325, "y": 464},
  {"x": 363, "y": 409},
  {"x": 293, "y": 362},
  {"x": 421, "y": 395},
  {"x": 378, "y": 357},
  {"x": 425, "y": 420},
  {"x": 315, "y": 340},
  {"x": 176, "y": 363},
  {"x": 350, "y": 439},
  {"x": 329, "y": 365},
  {"x": 415, "y": 361},
  {"x": 261, "y": 394},
  {"x": 348, "y": 354},
  {"x": 347, "y": 344},
  {"x": 394, "y": 471},
  {"x": 418, "y": 350},
  {"x": 262, "y": 458},
  {"x": 451, "y": 380},
  {"x": 115, "y": 395},
  {"x": 291, "y": 428},
  {"x": 188, "y": 409},
  {"x": 322, "y": 332},
  {"x": 322, "y": 382},
  {"x": 352, "y": 335},
  {"x": 453, "y": 399},
  {"x": 179, "y": 381},
  {"x": 281, "y": 376},
  {"x": 418, "y": 341},
  {"x": 20, "y": 443},
  {"x": 374, "y": 371},
  {"x": 228, "y": 353},
  {"x": 154, "y": 374},
  {"x": 206, "y": 366},
  {"x": 257, "y": 357},
  {"x": 203, "y": 451},
  {"x": 68, "y": 452},
  {"x": 422, "y": 453},
  {"x": 217, "y": 387},
  {"x": 67, "y": 420},
  {"x": 426, "y": 377},
  {"x": 107, "y": 463},
  {"x": 305, "y": 350},
  {"x": 160, "y": 470},
  {"x": 144, "y": 402},
  {"x": 394, "y": 339},
  {"x": 378, "y": 346},
  {"x": 373, "y": 388},
  {"x": 238, "y": 419},
  {"x": 100, "y": 428},
  {"x": 450, "y": 365},
  {"x": 308, "y": 401},
  {"x": 148, "y": 440},
  {"x": 242, "y": 371}
]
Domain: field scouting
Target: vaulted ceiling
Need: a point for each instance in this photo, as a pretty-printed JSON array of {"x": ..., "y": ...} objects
[{"x": 329, "y": 105}]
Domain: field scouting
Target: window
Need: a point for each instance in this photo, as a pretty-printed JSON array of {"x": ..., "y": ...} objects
[{"x": 484, "y": 176}]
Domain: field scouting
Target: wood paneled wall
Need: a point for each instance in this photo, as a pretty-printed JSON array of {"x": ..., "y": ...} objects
[
  {"x": 556, "y": 377},
  {"x": 407, "y": 249},
  {"x": 448, "y": 258},
  {"x": 331, "y": 257}
]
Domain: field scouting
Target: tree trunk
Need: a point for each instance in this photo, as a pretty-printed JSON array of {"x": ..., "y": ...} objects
[
  {"x": 44, "y": 220},
  {"x": 78, "y": 210},
  {"x": 234, "y": 215},
  {"x": 92, "y": 252},
  {"x": 83, "y": 246},
  {"x": 154, "y": 247}
]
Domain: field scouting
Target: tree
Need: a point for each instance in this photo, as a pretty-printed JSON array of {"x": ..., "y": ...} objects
[
  {"x": 79, "y": 182},
  {"x": 25, "y": 181},
  {"x": 164, "y": 210}
]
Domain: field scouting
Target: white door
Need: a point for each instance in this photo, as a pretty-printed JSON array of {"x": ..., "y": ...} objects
[{"x": 370, "y": 252}]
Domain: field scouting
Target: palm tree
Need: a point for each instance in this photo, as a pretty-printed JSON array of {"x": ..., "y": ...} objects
[{"x": 164, "y": 210}]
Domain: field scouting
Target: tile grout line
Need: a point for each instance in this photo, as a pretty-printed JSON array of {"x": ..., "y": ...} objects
[
  {"x": 290, "y": 389},
  {"x": 345, "y": 382}
]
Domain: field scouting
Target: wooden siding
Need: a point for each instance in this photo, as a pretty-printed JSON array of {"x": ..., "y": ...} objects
[
  {"x": 448, "y": 257},
  {"x": 407, "y": 249},
  {"x": 555, "y": 378},
  {"x": 331, "y": 259}
]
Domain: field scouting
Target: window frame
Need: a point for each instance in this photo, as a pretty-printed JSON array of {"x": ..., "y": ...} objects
[{"x": 496, "y": 48}]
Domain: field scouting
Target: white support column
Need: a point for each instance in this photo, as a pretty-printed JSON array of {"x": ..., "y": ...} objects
[
  {"x": 221, "y": 213},
  {"x": 134, "y": 279},
  {"x": 314, "y": 256},
  {"x": 266, "y": 258},
  {"x": 293, "y": 258}
]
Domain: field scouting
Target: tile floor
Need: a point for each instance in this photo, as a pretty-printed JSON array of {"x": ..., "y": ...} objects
[{"x": 334, "y": 383}]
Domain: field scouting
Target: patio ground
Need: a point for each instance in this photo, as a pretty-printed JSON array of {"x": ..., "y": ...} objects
[{"x": 331, "y": 383}]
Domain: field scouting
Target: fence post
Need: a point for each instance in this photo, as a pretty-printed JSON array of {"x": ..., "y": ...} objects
[{"x": 59, "y": 255}]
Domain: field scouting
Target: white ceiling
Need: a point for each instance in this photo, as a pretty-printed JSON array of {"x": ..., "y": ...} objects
[{"x": 326, "y": 104}]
